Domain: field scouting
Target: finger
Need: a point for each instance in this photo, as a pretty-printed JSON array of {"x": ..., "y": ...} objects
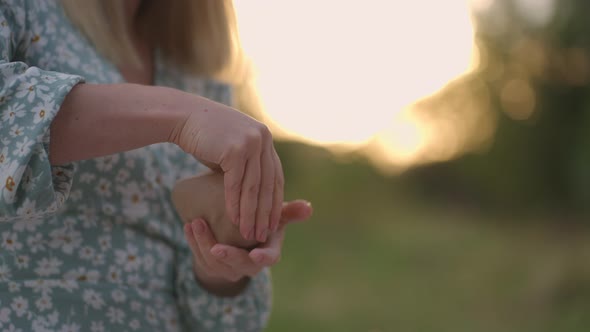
[
  {"x": 265, "y": 196},
  {"x": 203, "y": 237},
  {"x": 236, "y": 258},
  {"x": 296, "y": 211},
  {"x": 190, "y": 238},
  {"x": 232, "y": 182},
  {"x": 269, "y": 253},
  {"x": 188, "y": 234},
  {"x": 249, "y": 198},
  {"x": 277, "y": 204}
]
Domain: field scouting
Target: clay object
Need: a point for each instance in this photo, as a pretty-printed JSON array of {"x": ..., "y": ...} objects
[{"x": 203, "y": 196}]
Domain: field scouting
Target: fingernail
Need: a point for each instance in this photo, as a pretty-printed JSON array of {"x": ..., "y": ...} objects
[
  {"x": 198, "y": 227},
  {"x": 308, "y": 204},
  {"x": 262, "y": 235},
  {"x": 237, "y": 221},
  {"x": 219, "y": 253},
  {"x": 251, "y": 235}
]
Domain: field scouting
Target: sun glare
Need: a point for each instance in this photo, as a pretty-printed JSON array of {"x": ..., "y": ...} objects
[{"x": 345, "y": 72}]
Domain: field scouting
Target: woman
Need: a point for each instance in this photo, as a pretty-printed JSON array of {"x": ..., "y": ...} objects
[{"x": 91, "y": 142}]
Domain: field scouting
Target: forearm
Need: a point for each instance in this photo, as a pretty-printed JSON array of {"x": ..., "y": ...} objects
[{"x": 101, "y": 119}]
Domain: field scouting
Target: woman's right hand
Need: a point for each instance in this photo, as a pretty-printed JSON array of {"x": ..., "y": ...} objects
[{"x": 243, "y": 149}]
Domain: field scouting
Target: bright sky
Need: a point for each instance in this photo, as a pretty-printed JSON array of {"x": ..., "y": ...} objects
[{"x": 343, "y": 71}]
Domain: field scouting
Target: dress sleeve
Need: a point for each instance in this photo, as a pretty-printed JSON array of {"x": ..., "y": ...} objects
[
  {"x": 29, "y": 100},
  {"x": 203, "y": 311}
]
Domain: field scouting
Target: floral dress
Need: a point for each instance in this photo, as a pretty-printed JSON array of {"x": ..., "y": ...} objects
[{"x": 94, "y": 245}]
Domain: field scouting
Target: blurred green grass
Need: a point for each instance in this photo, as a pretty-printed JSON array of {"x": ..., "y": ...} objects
[{"x": 376, "y": 256}]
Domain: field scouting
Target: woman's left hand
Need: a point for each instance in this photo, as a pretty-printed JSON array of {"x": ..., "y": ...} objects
[{"x": 223, "y": 269}]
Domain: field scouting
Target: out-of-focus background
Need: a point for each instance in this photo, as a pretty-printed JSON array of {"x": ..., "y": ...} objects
[{"x": 445, "y": 146}]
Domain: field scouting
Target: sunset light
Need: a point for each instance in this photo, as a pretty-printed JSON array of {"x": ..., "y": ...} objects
[{"x": 346, "y": 73}]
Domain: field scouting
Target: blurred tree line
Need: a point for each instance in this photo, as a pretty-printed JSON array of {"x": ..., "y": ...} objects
[{"x": 534, "y": 76}]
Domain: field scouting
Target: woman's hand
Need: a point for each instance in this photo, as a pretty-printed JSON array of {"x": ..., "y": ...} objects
[
  {"x": 242, "y": 147},
  {"x": 94, "y": 121},
  {"x": 223, "y": 269}
]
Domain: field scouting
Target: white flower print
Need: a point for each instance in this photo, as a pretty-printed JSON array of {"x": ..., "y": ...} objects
[
  {"x": 97, "y": 327},
  {"x": 10, "y": 241},
  {"x": 4, "y": 159},
  {"x": 5, "y": 273},
  {"x": 23, "y": 148},
  {"x": 114, "y": 275},
  {"x": 12, "y": 112},
  {"x": 28, "y": 181},
  {"x": 105, "y": 164},
  {"x": 116, "y": 315},
  {"x": 42, "y": 111},
  {"x": 48, "y": 266},
  {"x": 87, "y": 177},
  {"x": 75, "y": 195},
  {"x": 144, "y": 293},
  {"x": 36, "y": 243},
  {"x": 109, "y": 209},
  {"x": 73, "y": 327},
  {"x": 22, "y": 261},
  {"x": 98, "y": 259},
  {"x": 67, "y": 284},
  {"x": 118, "y": 296},
  {"x": 103, "y": 188},
  {"x": 44, "y": 303},
  {"x": 80, "y": 274},
  {"x": 129, "y": 258},
  {"x": 134, "y": 324},
  {"x": 86, "y": 253},
  {"x": 20, "y": 305},
  {"x": 4, "y": 316},
  {"x": 230, "y": 313},
  {"x": 16, "y": 131},
  {"x": 134, "y": 204},
  {"x": 104, "y": 242},
  {"x": 134, "y": 280},
  {"x": 88, "y": 215},
  {"x": 29, "y": 220},
  {"x": 42, "y": 286},
  {"x": 93, "y": 299},
  {"x": 12, "y": 328},
  {"x": 150, "y": 316},
  {"x": 37, "y": 36},
  {"x": 148, "y": 262},
  {"x": 31, "y": 89},
  {"x": 66, "y": 239},
  {"x": 122, "y": 175},
  {"x": 13, "y": 287},
  {"x": 53, "y": 318},
  {"x": 10, "y": 177}
]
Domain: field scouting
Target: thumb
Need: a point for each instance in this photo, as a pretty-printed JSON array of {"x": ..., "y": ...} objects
[{"x": 295, "y": 211}]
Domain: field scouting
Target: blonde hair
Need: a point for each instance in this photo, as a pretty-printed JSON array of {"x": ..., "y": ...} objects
[{"x": 201, "y": 36}]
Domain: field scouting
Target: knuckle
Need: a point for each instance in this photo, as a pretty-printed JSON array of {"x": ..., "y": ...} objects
[
  {"x": 265, "y": 133},
  {"x": 253, "y": 137}
]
